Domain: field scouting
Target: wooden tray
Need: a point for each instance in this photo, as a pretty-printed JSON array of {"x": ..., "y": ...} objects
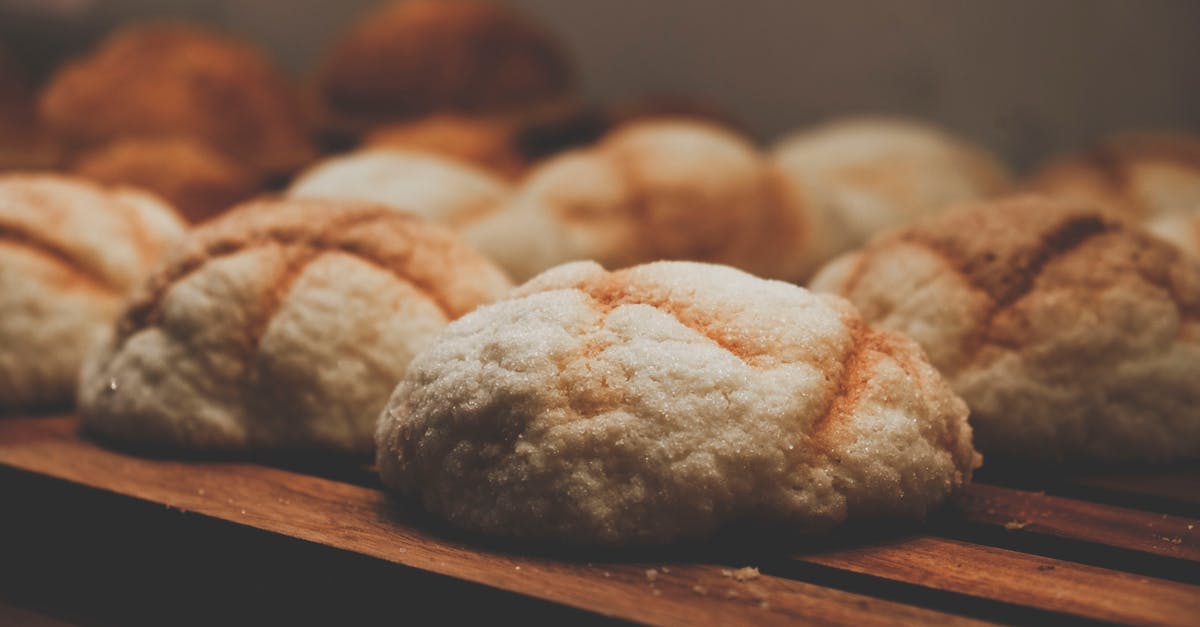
[{"x": 95, "y": 536}]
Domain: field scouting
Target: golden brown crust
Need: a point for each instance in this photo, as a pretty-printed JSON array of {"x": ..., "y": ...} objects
[
  {"x": 196, "y": 179},
  {"x": 1106, "y": 173},
  {"x": 158, "y": 80},
  {"x": 1030, "y": 246},
  {"x": 669, "y": 107},
  {"x": 428, "y": 257},
  {"x": 416, "y": 57},
  {"x": 485, "y": 142}
]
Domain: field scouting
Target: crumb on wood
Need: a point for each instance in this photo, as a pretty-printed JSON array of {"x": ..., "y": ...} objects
[
  {"x": 699, "y": 589},
  {"x": 1013, "y": 525},
  {"x": 764, "y": 605},
  {"x": 742, "y": 574},
  {"x": 665, "y": 569},
  {"x": 651, "y": 574},
  {"x": 656, "y": 592}
]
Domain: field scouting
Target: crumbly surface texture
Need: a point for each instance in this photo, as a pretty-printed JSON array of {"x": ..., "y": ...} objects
[
  {"x": 666, "y": 401},
  {"x": 196, "y": 179},
  {"x": 69, "y": 252},
  {"x": 425, "y": 184},
  {"x": 1073, "y": 336},
  {"x": 1142, "y": 175},
  {"x": 861, "y": 176},
  {"x": 661, "y": 189},
  {"x": 411, "y": 58},
  {"x": 163, "y": 79},
  {"x": 280, "y": 325}
]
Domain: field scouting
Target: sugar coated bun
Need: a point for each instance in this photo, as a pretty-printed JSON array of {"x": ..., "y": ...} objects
[
  {"x": 280, "y": 325},
  {"x": 412, "y": 58},
  {"x": 424, "y": 184},
  {"x": 170, "y": 79},
  {"x": 1181, "y": 228},
  {"x": 1072, "y": 335},
  {"x": 662, "y": 189},
  {"x": 483, "y": 142},
  {"x": 1139, "y": 174},
  {"x": 664, "y": 402},
  {"x": 69, "y": 253},
  {"x": 861, "y": 176},
  {"x": 197, "y": 179}
]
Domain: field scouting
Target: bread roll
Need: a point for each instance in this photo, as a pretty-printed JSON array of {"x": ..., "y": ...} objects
[
  {"x": 198, "y": 180},
  {"x": 861, "y": 176},
  {"x": 412, "y": 58},
  {"x": 664, "y": 402},
  {"x": 1073, "y": 336},
  {"x": 483, "y": 142},
  {"x": 154, "y": 80},
  {"x": 654, "y": 190},
  {"x": 280, "y": 325},
  {"x": 1181, "y": 228},
  {"x": 69, "y": 252},
  {"x": 423, "y": 184},
  {"x": 1141, "y": 175}
]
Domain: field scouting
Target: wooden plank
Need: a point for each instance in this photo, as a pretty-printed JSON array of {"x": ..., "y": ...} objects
[
  {"x": 1019, "y": 578},
  {"x": 1178, "y": 485},
  {"x": 364, "y": 521},
  {"x": 1034, "y": 512}
]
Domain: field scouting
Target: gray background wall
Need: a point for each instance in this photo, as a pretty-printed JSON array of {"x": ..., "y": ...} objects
[{"x": 1025, "y": 77}]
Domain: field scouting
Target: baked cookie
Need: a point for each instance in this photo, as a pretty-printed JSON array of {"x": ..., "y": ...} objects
[
  {"x": 1073, "y": 336},
  {"x": 1139, "y": 174},
  {"x": 412, "y": 58},
  {"x": 280, "y": 325},
  {"x": 860, "y": 176},
  {"x": 676, "y": 189},
  {"x": 70, "y": 251},
  {"x": 198, "y": 180},
  {"x": 664, "y": 402},
  {"x": 424, "y": 184},
  {"x": 159, "y": 79}
]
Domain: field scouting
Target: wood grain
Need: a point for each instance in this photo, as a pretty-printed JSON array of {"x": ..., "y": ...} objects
[
  {"x": 365, "y": 521},
  {"x": 1034, "y": 512}
]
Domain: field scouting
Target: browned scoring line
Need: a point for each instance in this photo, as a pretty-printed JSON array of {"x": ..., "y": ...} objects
[
  {"x": 853, "y": 361},
  {"x": 363, "y": 521},
  {"x": 17, "y": 236}
]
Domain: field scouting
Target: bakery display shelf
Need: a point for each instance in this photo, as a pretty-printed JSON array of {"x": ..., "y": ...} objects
[{"x": 93, "y": 536}]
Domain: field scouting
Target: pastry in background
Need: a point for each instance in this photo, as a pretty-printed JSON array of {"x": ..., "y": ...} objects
[
  {"x": 482, "y": 142},
  {"x": 1139, "y": 174},
  {"x": 70, "y": 251},
  {"x": 667, "y": 401},
  {"x": 1072, "y": 335},
  {"x": 1181, "y": 228},
  {"x": 282, "y": 324},
  {"x": 861, "y": 176},
  {"x": 198, "y": 180},
  {"x": 411, "y": 58},
  {"x": 24, "y": 145},
  {"x": 664, "y": 189},
  {"x": 424, "y": 184},
  {"x": 173, "y": 80},
  {"x": 663, "y": 106}
]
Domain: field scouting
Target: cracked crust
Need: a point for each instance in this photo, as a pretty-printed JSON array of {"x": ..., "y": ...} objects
[
  {"x": 166, "y": 80},
  {"x": 1139, "y": 174},
  {"x": 281, "y": 325},
  {"x": 1073, "y": 335},
  {"x": 412, "y": 58},
  {"x": 436, "y": 188},
  {"x": 862, "y": 176},
  {"x": 664, "y": 402},
  {"x": 69, "y": 252},
  {"x": 199, "y": 181},
  {"x": 655, "y": 190}
]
